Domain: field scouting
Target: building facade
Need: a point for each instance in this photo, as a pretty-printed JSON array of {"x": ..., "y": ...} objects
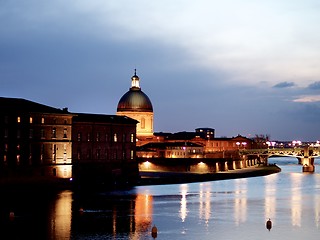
[
  {"x": 104, "y": 149},
  {"x": 35, "y": 141}
]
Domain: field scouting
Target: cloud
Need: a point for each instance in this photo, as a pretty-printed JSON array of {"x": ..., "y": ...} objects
[
  {"x": 308, "y": 99},
  {"x": 251, "y": 41},
  {"x": 284, "y": 85},
  {"x": 314, "y": 86}
]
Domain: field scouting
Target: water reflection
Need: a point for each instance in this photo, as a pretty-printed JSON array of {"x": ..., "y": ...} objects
[
  {"x": 240, "y": 201},
  {"x": 296, "y": 198},
  {"x": 270, "y": 196},
  {"x": 223, "y": 209},
  {"x": 60, "y": 216},
  {"x": 205, "y": 202},
  {"x": 183, "y": 202},
  {"x": 317, "y": 210},
  {"x": 143, "y": 214}
]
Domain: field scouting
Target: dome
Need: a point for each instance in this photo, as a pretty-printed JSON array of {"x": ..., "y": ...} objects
[{"x": 135, "y": 100}]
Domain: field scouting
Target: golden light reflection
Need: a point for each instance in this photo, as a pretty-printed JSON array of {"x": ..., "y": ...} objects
[
  {"x": 143, "y": 214},
  {"x": 183, "y": 202},
  {"x": 296, "y": 198},
  {"x": 270, "y": 196},
  {"x": 240, "y": 202},
  {"x": 60, "y": 222}
]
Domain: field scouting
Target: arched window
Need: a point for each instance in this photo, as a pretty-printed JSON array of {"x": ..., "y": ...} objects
[{"x": 143, "y": 123}]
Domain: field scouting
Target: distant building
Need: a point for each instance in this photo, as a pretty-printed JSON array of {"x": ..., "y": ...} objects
[
  {"x": 170, "y": 150},
  {"x": 137, "y": 105},
  {"x": 211, "y": 147}
]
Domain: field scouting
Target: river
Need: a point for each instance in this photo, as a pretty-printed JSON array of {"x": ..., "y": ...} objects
[{"x": 228, "y": 209}]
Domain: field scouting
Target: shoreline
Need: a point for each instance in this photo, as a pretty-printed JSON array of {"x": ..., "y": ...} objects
[{"x": 163, "y": 178}]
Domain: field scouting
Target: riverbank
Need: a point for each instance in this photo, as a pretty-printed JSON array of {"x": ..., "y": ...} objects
[{"x": 158, "y": 178}]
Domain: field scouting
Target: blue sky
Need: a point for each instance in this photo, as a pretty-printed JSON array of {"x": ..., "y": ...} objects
[{"x": 242, "y": 67}]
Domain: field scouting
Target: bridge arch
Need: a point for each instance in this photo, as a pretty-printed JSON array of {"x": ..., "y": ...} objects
[{"x": 305, "y": 155}]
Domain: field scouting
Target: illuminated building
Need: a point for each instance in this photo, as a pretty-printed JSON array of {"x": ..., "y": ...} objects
[
  {"x": 170, "y": 150},
  {"x": 35, "y": 141},
  {"x": 199, "y": 144},
  {"x": 137, "y": 105},
  {"x": 42, "y": 144}
]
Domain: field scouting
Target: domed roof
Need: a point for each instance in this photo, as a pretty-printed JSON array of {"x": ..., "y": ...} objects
[{"x": 135, "y": 100}]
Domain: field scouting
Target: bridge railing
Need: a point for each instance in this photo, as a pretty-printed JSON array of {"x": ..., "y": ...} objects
[{"x": 297, "y": 151}]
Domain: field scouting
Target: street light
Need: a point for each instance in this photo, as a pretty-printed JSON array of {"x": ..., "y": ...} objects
[{"x": 244, "y": 144}]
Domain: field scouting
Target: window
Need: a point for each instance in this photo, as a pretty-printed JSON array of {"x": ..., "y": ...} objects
[
  {"x": 98, "y": 153},
  {"x": 115, "y": 137},
  {"x": 132, "y": 137},
  {"x": 107, "y": 138},
  {"x": 5, "y": 133},
  {"x": 143, "y": 123},
  {"x": 54, "y": 132},
  {"x": 42, "y": 153},
  {"x": 18, "y": 159},
  {"x": 42, "y": 120},
  {"x": 31, "y": 133},
  {"x": 89, "y": 137},
  {"x": 65, "y": 133},
  {"x": 131, "y": 154},
  {"x": 42, "y": 133},
  {"x": 6, "y": 147},
  {"x": 30, "y": 120},
  {"x": 124, "y": 137},
  {"x": 98, "y": 137},
  {"x": 79, "y": 137},
  {"x": 18, "y": 133},
  {"x": 30, "y": 159},
  {"x": 18, "y": 119}
]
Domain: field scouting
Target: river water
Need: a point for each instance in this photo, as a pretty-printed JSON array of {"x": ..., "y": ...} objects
[{"x": 228, "y": 209}]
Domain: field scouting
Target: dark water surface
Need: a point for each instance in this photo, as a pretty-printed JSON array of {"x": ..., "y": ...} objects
[{"x": 229, "y": 209}]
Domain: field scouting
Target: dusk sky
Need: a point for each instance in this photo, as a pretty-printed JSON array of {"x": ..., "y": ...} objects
[{"x": 241, "y": 67}]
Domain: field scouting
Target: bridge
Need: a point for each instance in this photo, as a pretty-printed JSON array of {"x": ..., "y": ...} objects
[{"x": 304, "y": 154}]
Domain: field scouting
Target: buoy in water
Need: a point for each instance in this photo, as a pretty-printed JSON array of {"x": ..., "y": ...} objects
[
  {"x": 11, "y": 216},
  {"x": 154, "y": 231},
  {"x": 81, "y": 211},
  {"x": 269, "y": 224}
]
